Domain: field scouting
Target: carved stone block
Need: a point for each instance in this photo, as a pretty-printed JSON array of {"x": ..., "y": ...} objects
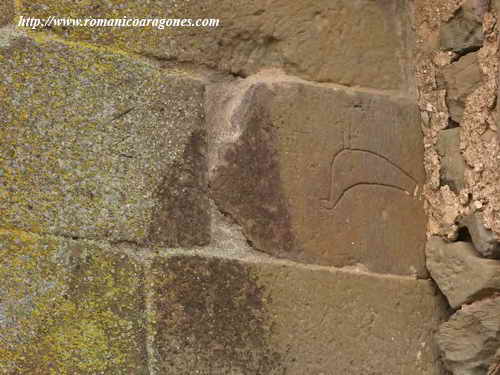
[{"x": 321, "y": 174}]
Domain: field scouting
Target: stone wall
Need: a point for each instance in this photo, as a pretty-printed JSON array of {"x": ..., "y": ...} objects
[
  {"x": 240, "y": 200},
  {"x": 457, "y": 77}
]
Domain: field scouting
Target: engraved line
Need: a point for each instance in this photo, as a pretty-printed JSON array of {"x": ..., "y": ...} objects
[
  {"x": 382, "y": 157},
  {"x": 327, "y": 202},
  {"x": 337, "y": 154}
]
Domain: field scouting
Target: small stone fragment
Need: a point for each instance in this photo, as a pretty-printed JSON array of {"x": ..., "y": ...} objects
[
  {"x": 485, "y": 241},
  {"x": 461, "y": 274},
  {"x": 470, "y": 339},
  {"x": 452, "y": 162},
  {"x": 462, "y": 78}
]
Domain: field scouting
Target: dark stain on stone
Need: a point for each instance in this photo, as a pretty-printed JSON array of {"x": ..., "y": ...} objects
[
  {"x": 182, "y": 218},
  {"x": 211, "y": 318},
  {"x": 248, "y": 186}
]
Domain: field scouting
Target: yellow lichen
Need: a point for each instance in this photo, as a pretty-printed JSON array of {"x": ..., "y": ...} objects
[{"x": 68, "y": 306}]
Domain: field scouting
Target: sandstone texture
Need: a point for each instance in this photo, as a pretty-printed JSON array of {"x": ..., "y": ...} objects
[
  {"x": 221, "y": 316},
  {"x": 321, "y": 174},
  {"x": 351, "y": 42},
  {"x": 244, "y": 199},
  {"x": 69, "y": 307},
  {"x": 470, "y": 339},
  {"x": 94, "y": 145},
  {"x": 459, "y": 271},
  {"x": 7, "y": 12}
]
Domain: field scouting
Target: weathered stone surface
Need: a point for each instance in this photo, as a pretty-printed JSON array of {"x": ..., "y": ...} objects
[
  {"x": 352, "y": 42},
  {"x": 69, "y": 307},
  {"x": 182, "y": 216},
  {"x": 470, "y": 340},
  {"x": 462, "y": 78},
  {"x": 485, "y": 241},
  {"x": 464, "y": 31},
  {"x": 92, "y": 142},
  {"x": 7, "y": 12},
  {"x": 452, "y": 163},
  {"x": 216, "y": 316},
  {"x": 461, "y": 274},
  {"x": 320, "y": 174}
]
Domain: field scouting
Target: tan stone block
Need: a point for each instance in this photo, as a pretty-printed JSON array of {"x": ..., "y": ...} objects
[
  {"x": 215, "y": 316},
  {"x": 352, "y": 42},
  {"x": 97, "y": 144},
  {"x": 321, "y": 174},
  {"x": 69, "y": 307}
]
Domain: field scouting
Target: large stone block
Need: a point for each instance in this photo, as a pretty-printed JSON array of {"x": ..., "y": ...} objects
[
  {"x": 99, "y": 145},
  {"x": 352, "y": 42},
  {"x": 216, "y": 316},
  {"x": 320, "y": 174},
  {"x": 69, "y": 307}
]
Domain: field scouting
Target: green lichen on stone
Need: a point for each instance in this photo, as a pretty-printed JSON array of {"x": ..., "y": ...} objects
[
  {"x": 68, "y": 307},
  {"x": 126, "y": 38},
  {"x": 88, "y": 135}
]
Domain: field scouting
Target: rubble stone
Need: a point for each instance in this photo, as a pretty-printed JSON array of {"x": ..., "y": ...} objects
[
  {"x": 485, "y": 241},
  {"x": 452, "y": 163},
  {"x": 470, "y": 340},
  {"x": 461, "y": 274},
  {"x": 462, "y": 78},
  {"x": 464, "y": 31}
]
